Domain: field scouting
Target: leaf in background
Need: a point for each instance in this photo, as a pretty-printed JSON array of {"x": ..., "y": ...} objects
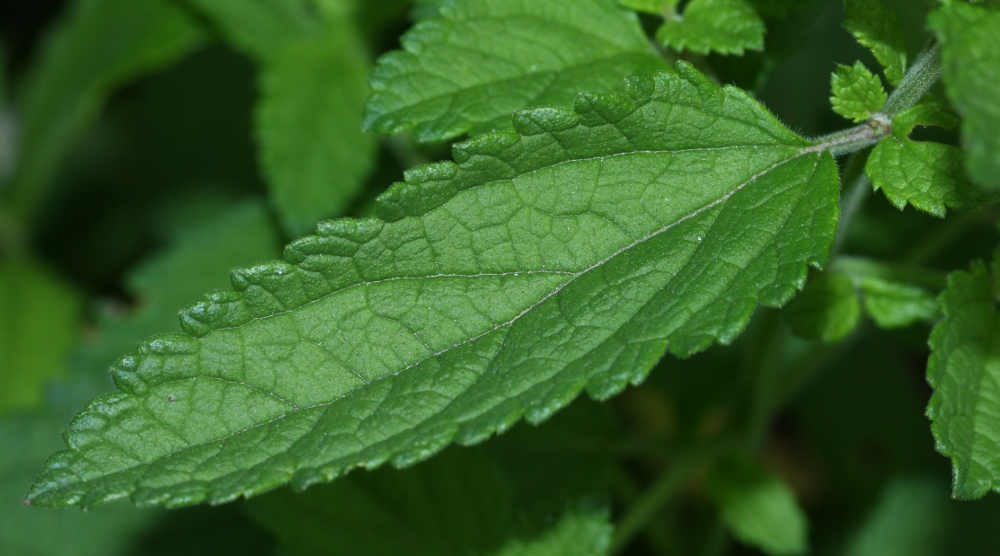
[
  {"x": 39, "y": 323},
  {"x": 534, "y": 491},
  {"x": 878, "y": 29},
  {"x": 313, "y": 151},
  {"x": 100, "y": 45},
  {"x": 964, "y": 370},
  {"x": 259, "y": 27},
  {"x": 928, "y": 176},
  {"x": 781, "y": 8},
  {"x": 308, "y": 119},
  {"x": 895, "y": 305},
  {"x": 827, "y": 309},
  {"x": 658, "y": 7},
  {"x": 909, "y": 518},
  {"x": 198, "y": 261},
  {"x": 759, "y": 508},
  {"x": 723, "y": 26},
  {"x": 565, "y": 257},
  {"x": 484, "y": 59},
  {"x": 971, "y": 62},
  {"x": 857, "y": 93}
]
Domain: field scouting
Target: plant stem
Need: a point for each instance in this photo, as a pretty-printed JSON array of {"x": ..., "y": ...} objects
[
  {"x": 666, "y": 486},
  {"x": 852, "y": 199},
  {"x": 918, "y": 80}
]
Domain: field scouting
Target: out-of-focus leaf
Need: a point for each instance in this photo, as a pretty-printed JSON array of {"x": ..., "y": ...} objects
[
  {"x": 895, "y": 305},
  {"x": 100, "y": 45},
  {"x": 909, "y": 519},
  {"x": 261, "y": 27},
  {"x": 723, "y": 26},
  {"x": 535, "y": 491},
  {"x": 759, "y": 508},
  {"x": 971, "y": 62},
  {"x": 39, "y": 323},
  {"x": 827, "y": 309}
]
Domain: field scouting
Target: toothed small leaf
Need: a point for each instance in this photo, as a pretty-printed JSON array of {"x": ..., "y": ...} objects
[
  {"x": 964, "y": 370},
  {"x": 857, "y": 93},
  {"x": 568, "y": 257},
  {"x": 929, "y": 176},
  {"x": 723, "y": 26},
  {"x": 877, "y": 28},
  {"x": 470, "y": 69}
]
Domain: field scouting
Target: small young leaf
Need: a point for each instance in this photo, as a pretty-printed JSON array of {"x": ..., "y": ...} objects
[
  {"x": 895, "y": 305},
  {"x": 471, "y": 69},
  {"x": 827, "y": 309},
  {"x": 928, "y": 176},
  {"x": 759, "y": 508},
  {"x": 723, "y": 26},
  {"x": 877, "y": 29},
  {"x": 971, "y": 61},
  {"x": 39, "y": 323},
  {"x": 565, "y": 257},
  {"x": 313, "y": 151},
  {"x": 99, "y": 46},
  {"x": 857, "y": 93},
  {"x": 964, "y": 370}
]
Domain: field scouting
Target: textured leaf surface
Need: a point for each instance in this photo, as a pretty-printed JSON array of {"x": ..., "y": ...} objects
[
  {"x": 39, "y": 323},
  {"x": 971, "y": 61},
  {"x": 827, "y": 309},
  {"x": 483, "y": 59},
  {"x": 929, "y": 176},
  {"x": 483, "y": 500},
  {"x": 723, "y": 26},
  {"x": 99, "y": 46},
  {"x": 567, "y": 256},
  {"x": 895, "y": 305},
  {"x": 878, "y": 29},
  {"x": 964, "y": 370},
  {"x": 313, "y": 151},
  {"x": 759, "y": 508},
  {"x": 857, "y": 93}
]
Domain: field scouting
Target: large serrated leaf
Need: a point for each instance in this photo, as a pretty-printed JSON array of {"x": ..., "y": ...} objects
[
  {"x": 564, "y": 257},
  {"x": 471, "y": 69},
  {"x": 964, "y": 370}
]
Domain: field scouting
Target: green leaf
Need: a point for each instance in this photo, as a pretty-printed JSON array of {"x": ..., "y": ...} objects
[
  {"x": 658, "y": 7},
  {"x": 565, "y": 257},
  {"x": 857, "y": 93},
  {"x": 484, "y": 59},
  {"x": 723, "y": 26},
  {"x": 313, "y": 151},
  {"x": 39, "y": 323},
  {"x": 482, "y": 500},
  {"x": 759, "y": 508},
  {"x": 827, "y": 309},
  {"x": 261, "y": 27},
  {"x": 100, "y": 45},
  {"x": 895, "y": 305},
  {"x": 908, "y": 519},
  {"x": 971, "y": 62},
  {"x": 928, "y": 176},
  {"x": 964, "y": 370},
  {"x": 878, "y": 29}
]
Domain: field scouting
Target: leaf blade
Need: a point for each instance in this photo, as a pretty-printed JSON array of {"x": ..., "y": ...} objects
[
  {"x": 469, "y": 70},
  {"x": 461, "y": 312}
]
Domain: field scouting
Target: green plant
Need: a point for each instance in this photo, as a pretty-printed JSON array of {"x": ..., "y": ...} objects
[{"x": 616, "y": 198}]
